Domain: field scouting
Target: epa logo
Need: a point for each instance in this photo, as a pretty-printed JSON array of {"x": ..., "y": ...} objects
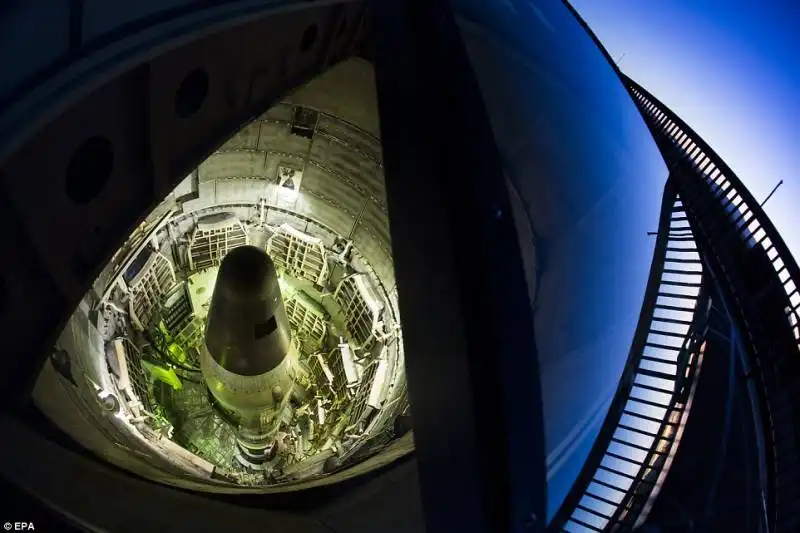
[{"x": 19, "y": 526}]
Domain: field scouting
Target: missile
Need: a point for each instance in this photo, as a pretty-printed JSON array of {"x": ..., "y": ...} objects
[{"x": 248, "y": 357}]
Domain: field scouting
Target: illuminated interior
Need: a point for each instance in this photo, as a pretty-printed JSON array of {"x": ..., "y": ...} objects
[{"x": 304, "y": 185}]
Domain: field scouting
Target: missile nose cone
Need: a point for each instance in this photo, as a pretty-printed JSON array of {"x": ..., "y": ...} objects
[
  {"x": 247, "y": 272},
  {"x": 247, "y": 331}
]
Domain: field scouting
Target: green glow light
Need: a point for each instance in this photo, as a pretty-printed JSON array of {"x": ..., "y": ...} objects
[{"x": 164, "y": 375}]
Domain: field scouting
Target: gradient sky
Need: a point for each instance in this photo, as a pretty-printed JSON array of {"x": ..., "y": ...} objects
[{"x": 731, "y": 70}]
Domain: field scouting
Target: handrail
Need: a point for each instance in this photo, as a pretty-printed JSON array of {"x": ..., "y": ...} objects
[
  {"x": 641, "y": 432},
  {"x": 776, "y": 361},
  {"x": 707, "y": 163}
]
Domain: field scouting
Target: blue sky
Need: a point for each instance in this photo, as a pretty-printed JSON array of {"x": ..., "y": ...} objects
[{"x": 731, "y": 70}]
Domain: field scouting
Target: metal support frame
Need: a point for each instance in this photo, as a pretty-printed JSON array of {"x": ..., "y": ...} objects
[
  {"x": 640, "y": 435},
  {"x": 467, "y": 323},
  {"x": 760, "y": 279}
]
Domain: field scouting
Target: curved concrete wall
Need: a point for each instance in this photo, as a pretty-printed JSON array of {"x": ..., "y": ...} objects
[{"x": 590, "y": 179}]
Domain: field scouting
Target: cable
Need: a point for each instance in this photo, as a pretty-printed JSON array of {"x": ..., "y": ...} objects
[{"x": 165, "y": 358}]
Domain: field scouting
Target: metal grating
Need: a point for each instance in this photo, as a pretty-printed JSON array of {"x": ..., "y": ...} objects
[
  {"x": 308, "y": 323},
  {"x": 320, "y": 371},
  {"x": 176, "y": 309},
  {"x": 361, "y": 309},
  {"x": 198, "y": 427},
  {"x": 213, "y": 238},
  {"x": 190, "y": 338},
  {"x": 358, "y": 407},
  {"x": 301, "y": 255},
  {"x": 132, "y": 381},
  {"x": 328, "y": 368},
  {"x": 750, "y": 223},
  {"x": 762, "y": 277},
  {"x": 147, "y": 289},
  {"x": 641, "y": 433}
]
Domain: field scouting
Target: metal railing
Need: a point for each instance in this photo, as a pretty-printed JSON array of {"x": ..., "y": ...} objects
[
  {"x": 641, "y": 432},
  {"x": 762, "y": 280}
]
